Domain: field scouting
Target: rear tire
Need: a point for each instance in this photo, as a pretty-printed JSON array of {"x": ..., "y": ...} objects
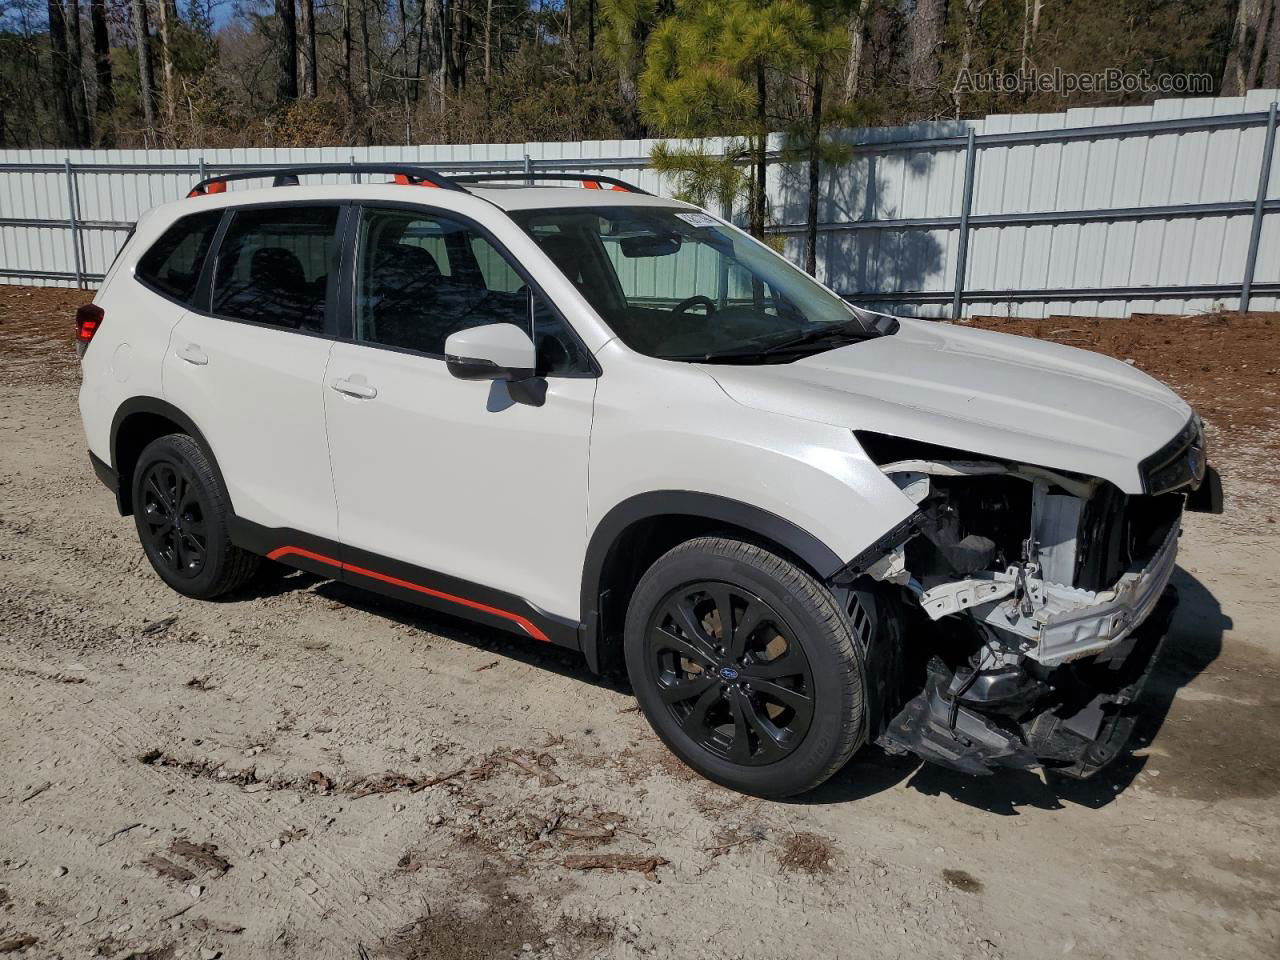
[
  {"x": 772, "y": 708},
  {"x": 181, "y": 514}
]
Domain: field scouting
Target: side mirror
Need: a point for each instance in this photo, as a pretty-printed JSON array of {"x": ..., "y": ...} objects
[{"x": 495, "y": 351}]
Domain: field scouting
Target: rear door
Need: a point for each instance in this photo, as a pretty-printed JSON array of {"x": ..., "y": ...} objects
[{"x": 248, "y": 363}]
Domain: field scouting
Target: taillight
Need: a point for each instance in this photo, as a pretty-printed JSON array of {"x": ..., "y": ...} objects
[{"x": 88, "y": 320}]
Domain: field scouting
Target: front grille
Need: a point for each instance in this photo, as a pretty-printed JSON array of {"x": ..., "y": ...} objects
[{"x": 1179, "y": 463}]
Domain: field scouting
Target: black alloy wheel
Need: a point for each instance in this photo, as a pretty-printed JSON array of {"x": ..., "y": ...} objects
[
  {"x": 730, "y": 672},
  {"x": 173, "y": 518},
  {"x": 182, "y": 514},
  {"x": 746, "y": 666}
]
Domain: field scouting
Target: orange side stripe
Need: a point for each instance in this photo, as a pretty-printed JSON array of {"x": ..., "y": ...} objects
[{"x": 522, "y": 622}]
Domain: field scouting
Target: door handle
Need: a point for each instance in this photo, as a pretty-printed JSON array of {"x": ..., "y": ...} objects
[
  {"x": 192, "y": 354},
  {"x": 355, "y": 387}
]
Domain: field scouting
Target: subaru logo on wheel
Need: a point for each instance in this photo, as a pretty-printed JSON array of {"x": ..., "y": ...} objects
[{"x": 728, "y": 673}]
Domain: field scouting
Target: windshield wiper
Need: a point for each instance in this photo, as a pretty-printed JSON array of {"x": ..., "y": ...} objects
[
  {"x": 787, "y": 345},
  {"x": 828, "y": 332}
]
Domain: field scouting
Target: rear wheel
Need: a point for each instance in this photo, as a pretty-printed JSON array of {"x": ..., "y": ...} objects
[
  {"x": 181, "y": 514},
  {"x": 745, "y": 666}
]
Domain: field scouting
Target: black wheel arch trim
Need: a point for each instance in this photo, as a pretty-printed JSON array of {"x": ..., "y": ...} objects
[
  {"x": 707, "y": 506},
  {"x": 161, "y": 408}
]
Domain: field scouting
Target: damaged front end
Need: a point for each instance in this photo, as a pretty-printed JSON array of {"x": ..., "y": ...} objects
[{"x": 1038, "y": 601}]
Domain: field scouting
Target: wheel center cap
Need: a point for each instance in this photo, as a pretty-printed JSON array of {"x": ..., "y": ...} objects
[{"x": 728, "y": 673}]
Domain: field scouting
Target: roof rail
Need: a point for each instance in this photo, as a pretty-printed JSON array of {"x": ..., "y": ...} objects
[
  {"x": 285, "y": 176},
  {"x": 592, "y": 181}
]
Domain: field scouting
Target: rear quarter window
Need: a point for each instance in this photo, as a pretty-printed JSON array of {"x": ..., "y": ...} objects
[{"x": 172, "y": 264}]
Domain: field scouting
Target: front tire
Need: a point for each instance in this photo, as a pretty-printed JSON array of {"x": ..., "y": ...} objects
[
  {"x": 181, "y": 514},
  {"x": 774, "y": 705}
]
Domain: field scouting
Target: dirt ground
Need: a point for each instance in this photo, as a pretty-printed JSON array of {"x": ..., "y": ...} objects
[{"x": 307, "y": 771}]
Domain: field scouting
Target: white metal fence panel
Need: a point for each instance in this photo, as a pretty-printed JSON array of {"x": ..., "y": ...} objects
[{"x": 1050, "y": 227}]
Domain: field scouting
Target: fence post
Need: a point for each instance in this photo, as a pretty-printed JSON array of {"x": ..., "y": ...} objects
[
  {"x": 355, "y": 176},
  {"x": 966, "y": 205},
  {"x": 1255, "y": 233},
  {"x": 528, "y": 170},
  {"x": 73, "y": 216},
  {"x": 202, "y": 173}
]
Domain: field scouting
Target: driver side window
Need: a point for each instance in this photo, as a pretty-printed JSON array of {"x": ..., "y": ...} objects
[{"x": 421, "y": 277}]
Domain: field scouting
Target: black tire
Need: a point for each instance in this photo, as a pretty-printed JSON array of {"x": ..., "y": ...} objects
[
  {"x": 181, "y": 514},
  {"x": 799, "y": 719}
]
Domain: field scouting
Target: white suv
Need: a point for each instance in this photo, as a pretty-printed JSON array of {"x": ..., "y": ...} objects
[{"x": 614, "y": 422}]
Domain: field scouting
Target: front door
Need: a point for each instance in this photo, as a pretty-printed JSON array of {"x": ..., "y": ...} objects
[{"x": 450, "y": 490}]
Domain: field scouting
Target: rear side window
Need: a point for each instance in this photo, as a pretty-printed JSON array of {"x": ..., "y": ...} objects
[
  {"x": 274, "y": 265},
  {"x": 172, "y": 265}
]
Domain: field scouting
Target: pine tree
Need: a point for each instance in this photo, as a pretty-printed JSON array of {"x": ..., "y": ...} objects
[{"x": 706, "y": 73}]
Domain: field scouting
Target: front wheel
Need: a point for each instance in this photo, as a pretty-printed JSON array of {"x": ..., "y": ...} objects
[{"x": 745, "y": 666}]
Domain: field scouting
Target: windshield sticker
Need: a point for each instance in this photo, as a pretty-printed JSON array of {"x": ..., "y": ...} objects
[{"x": 698, "y": 219}]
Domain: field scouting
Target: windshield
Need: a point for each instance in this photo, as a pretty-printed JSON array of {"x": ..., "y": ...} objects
[{"x": 680, "y": 285}]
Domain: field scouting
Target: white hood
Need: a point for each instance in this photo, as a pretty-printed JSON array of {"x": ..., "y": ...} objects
[{"x": 1002, "y": 396}]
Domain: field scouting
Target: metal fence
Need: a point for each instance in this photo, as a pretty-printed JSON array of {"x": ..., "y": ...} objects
[{"x": 938, "y": 219}]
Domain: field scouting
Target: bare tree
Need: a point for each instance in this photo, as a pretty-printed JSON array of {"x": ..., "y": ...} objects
[
  {"x": 143, "y": 42},
  {"x": 1267, "y": 14},
  {"x": 924, "y": 32},
  {"x": 75, "y": 59},
  {"x": 287, "y": 53},
  {"x": 1235, "y": 79},
  {"x": 58, "y": 68},
  {"x": 1271, "y": 67},
  {"x": 105, "y": 103},
  {"x": 308, "y": 48},
  {"x": 857, "y": 37},
  {"x": 1030, "y": 27},
  {"x": 168, "y": 24},
  {"x": 347, "y": 80}
]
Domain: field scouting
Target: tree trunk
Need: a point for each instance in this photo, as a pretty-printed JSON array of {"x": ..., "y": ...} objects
[
  {"x": 972, "y": 11},
  {"x": 924, "y": 34},
  {"x": 366, "y": 75},
  {"x": 1234, "y": 79},
  {"x": 143, "y": 43},
  {"x": 1271, "y": 67},
  {"x": 488, "y": 39},
  {"x": 815, "y": 156},
  {"x": 58, "y": 68},
  {"x": 286, "y": 53},
  {"x": 105, "y": 103},
  {"x": 75, "y": 55},
  {"x": 348, "y": 83},
  {"x": 759, "y": 206},
  {"x": 442, "y": 54},
  {"x": 308, "y": 48},
  {"x": 857, "y": 37},
  {"x": 366, "y": 56},
  {"x": 168, "y": 21},
  {"x": 1259, "y": 45}
]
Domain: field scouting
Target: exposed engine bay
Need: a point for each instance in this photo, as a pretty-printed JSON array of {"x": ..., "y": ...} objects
[{"x": 1032, "y": 604}]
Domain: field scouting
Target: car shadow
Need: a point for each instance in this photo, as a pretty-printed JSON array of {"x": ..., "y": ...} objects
[
  {"x": 1192, "y": 644},
  {"x": 512, "y": 646}
]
